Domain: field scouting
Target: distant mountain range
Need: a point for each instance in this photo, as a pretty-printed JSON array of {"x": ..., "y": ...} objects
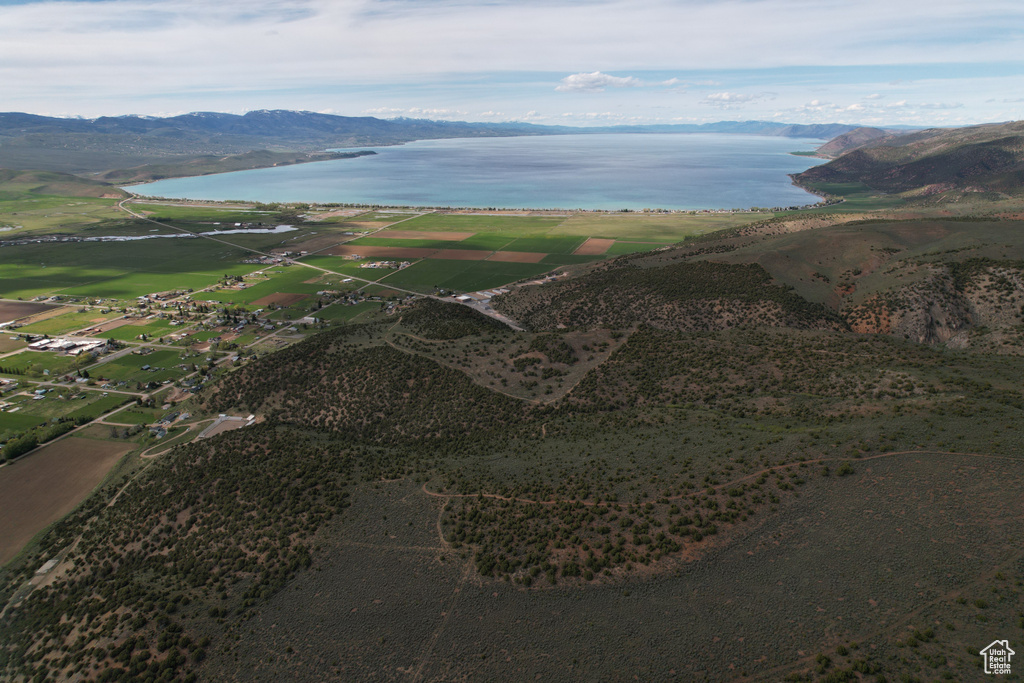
[{"x": 29, "y": 141}]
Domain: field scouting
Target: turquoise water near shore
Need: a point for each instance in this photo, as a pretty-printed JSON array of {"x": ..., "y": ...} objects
[{"x": 604, "y": 171}]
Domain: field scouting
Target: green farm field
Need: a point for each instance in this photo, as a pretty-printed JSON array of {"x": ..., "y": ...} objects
[
  {"x": 125, "y": 270},
  {"x": 116, "y": 270},
  {"x": 465, "y": 276},
  {"x": 34, "y": 213},
  {"x": 65, "y": 402},
  {"x": 96, "y": 405},
  {"x": 518, "y": 226},
  {"x": 137, "y": 416},
  {"x": 666, "y": 228},
  {"x": 34, "y": 363},
  {"x": 155, "y": 327},
  {"x": 545, "y": 245},
  {"x": 17, "y": 422},
  {"x": 163, "y": 364},
  {"x": 69, "y": 322},
  {"x": 339, "y": 312},
  {"x": 226, "y": 213},
  {"x": 411, "y": 243},
  {"x": 343, "y": 266}
]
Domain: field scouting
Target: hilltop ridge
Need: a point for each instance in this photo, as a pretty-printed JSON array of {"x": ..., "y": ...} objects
[
  {"x": 982, "y": 161},
  {"x": 29, "y": 141}
]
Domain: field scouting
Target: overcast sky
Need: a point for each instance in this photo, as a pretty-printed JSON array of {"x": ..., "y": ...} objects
[{"x": 575, "y": 62}]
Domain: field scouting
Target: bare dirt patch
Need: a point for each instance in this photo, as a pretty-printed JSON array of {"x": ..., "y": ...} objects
[
  {"x": 517, "y": 257},
  {"x": 340, "y": 213},
  {"x": 280, "y": 298},
  {"x": 386, "y": 252},
  {"x": 438, "y": 235},
  {"x": 460, "y": 254},
  {"x": 113, "y": 324},
  {"x": 594, "y": 246},
  {"x": 43, "y": 487},
  {"x": 225, "y": 426},
  {"x": 15, "y": 310}
]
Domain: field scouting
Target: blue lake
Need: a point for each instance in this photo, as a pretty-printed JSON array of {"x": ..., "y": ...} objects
[{"x": 613, "y": 171}]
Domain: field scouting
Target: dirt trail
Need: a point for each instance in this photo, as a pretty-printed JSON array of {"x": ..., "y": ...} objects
[{"x": 417, "y": 674}]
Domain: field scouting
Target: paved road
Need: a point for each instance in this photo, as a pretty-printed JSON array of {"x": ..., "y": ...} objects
[{"x": 486, "y": 310}]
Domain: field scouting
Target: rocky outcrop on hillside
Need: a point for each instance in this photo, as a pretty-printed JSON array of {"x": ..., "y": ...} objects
[{"x": 949, "y": 304}]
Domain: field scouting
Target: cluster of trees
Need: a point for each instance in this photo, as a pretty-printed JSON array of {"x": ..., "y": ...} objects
[
  {"x": 683, "y": 435},
  {"x": 697, "y": 295},
  {"x": 374, "y": 394},
  {"x": 433, "y": 319},
  {"x": 176, "y": 547}
]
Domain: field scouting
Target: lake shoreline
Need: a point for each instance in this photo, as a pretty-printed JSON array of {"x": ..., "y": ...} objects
[{"x": 603, "y": 173}]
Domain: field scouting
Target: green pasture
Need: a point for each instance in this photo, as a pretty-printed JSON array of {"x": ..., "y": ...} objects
[
  {"x": 346, "y": 267},
  {"x": 198, "y": 212},
  {"x": 426, "y": 275},
  {"x": 244, "y": 339},
  {"x": 485, "y": 241},
  {"x": 33, "y": 363},
  {"x": 13, "y": 423},
  {"x": 463, "y": 276},
  {"x": 267, "y": 241},
  {"x": 68, "y": 322},
  {"x": 198, "y": 338},
  {"x": 137, "y": 416},
  {"x": 408, "y": 243},
  {"x": 546, "y": 245},
  {"x": 517, "y": 226},
  {"x": 156, "y": 327},
  {"x": 335, "y": 282},
  {"x": 346, "y": 312},
  {"x": 97, "y": 405},
  {"x": 116, "y": 270},
  {"x": 34, "y": 213},
  {"x": 129, "y": 368},
  {"x": 55, "y": 405},
  {"x": 668, "y": 228},
  {"x": 290, "y": 279},
  {"x": 856, "y": 196}
]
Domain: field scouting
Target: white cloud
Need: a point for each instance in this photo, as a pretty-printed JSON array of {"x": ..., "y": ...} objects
[
  {"x": 732, "y": 100},
  {"x": 416, "y": 112},
  {"x": 729, "y": 97},
  {"x": 595, "y": 82},
  {"x": 458, "y": 56},
  {"x": 940, "y": 105}
]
